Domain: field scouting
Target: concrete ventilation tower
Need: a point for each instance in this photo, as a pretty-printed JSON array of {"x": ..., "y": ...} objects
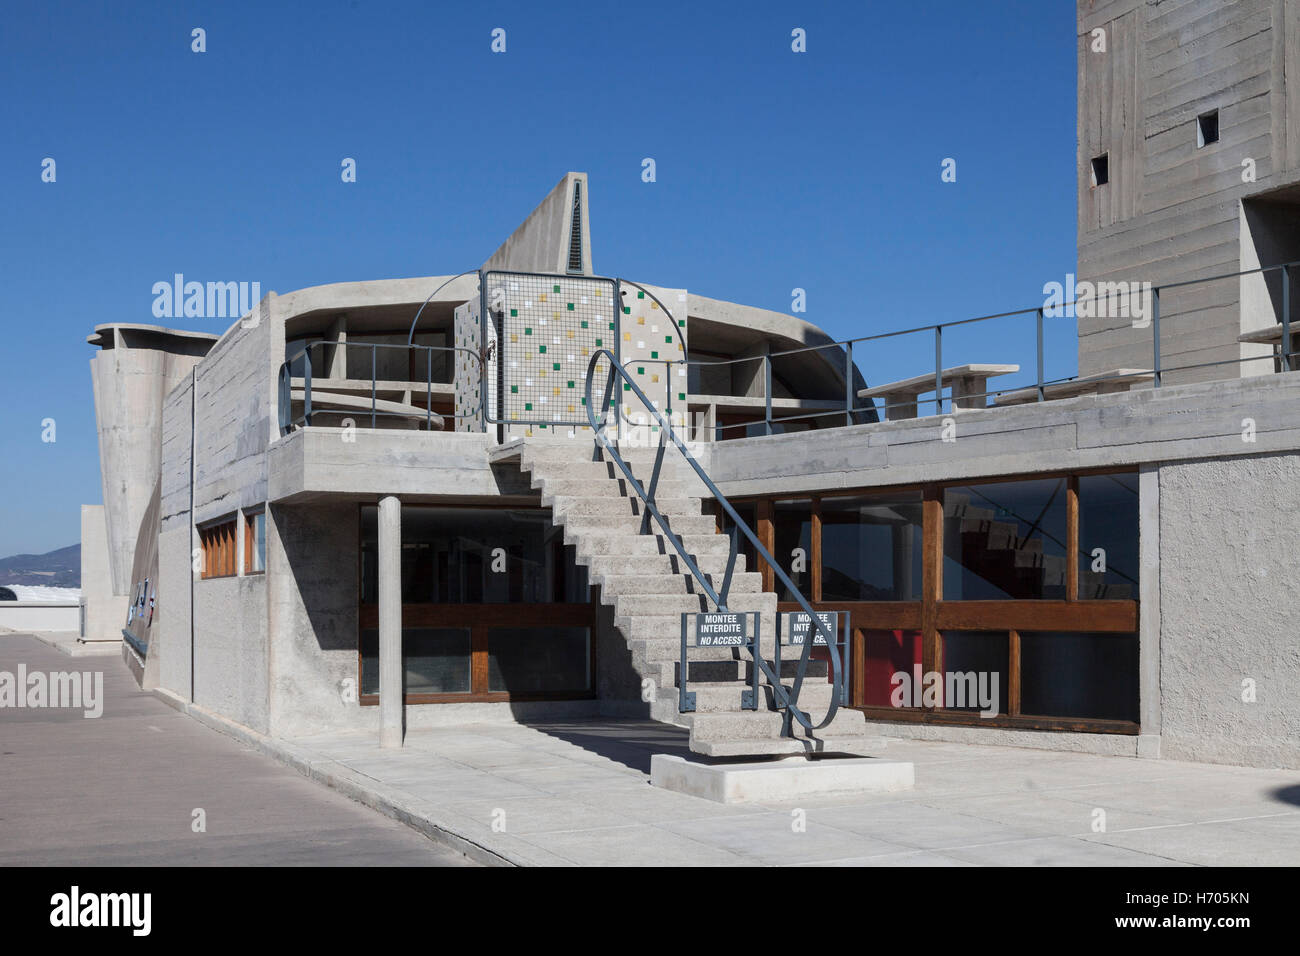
[{"x": 136, "y": 367}]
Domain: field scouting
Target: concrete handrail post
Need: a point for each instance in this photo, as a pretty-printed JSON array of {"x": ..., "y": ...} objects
[{"x": 391, "y": 691}]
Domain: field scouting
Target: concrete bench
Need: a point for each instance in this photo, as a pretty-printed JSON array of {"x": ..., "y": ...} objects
[
  {"x": 967, "y": 383},
  {"x": 1272, "y": 335},
  {"x": 1103, "y": 383}
]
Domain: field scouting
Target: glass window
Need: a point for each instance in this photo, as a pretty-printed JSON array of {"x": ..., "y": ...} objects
[
  {"x": 476, "y": 556},
  {"x": 533, "y": 660},
  {"x": 888, "y": 654},
  {"x": 255, "y": 543},
  {"x": 871, "y": 548},
  {"x": 974, "y": 671},
  {"x": 1005, "y": 540},
  {"x": 1079, "y": 675},
  {"x": 437, "y": 660},
  {"x": 792, "y": 526},
  {"x": 1108, "y": 537}
]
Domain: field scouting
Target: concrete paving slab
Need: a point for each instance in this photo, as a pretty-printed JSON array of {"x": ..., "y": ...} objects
[
  {"x": 1057, "y": 851},
  {"x": 578, "y": 792},
  {"x": 122, "y": 790}
]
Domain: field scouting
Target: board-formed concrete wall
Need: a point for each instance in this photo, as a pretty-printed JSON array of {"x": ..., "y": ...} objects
[
  {"x": 171, "y": 642},
  {"x": 1171, "y": 211},
  {"x": 215, "y": 432},
  {"x": 311, "y": 555},
  {"x": 1228, "y": 608}
]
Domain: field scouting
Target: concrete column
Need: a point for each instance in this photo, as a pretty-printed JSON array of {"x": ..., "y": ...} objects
[
  {"x": 1148, "y": 742},
  {"x": 390, "y": 622}
]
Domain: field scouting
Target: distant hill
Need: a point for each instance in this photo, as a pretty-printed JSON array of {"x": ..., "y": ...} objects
[{"x": 58, "y": 569}]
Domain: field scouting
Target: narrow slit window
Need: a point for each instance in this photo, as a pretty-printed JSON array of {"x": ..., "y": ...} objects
[
  {"x": 1101, "y": 170},
  {"x": 1207, "y": 129}
]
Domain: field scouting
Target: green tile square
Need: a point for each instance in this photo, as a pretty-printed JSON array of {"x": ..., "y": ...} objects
[
  {"x": 584, "y": 323},
  {"x": 570, "y": 306},
  {"x": 527, "y": 330},
  {"x": 627, "y": 310},
  {"x": 555, "y": 288},
  {"x": 668, "y": 339},
  {"x": 654, "y": 354},
  {"x": 640, "y": 370},
  {"x": 599, "y": 343},
  {"x": 555, "y": 366},
  {"x": 570, "y": 385},
  {"x": 627, "y": 387},
  {"x": 640, "y": 295},
  {"x": 681, "y": 396},
  {"x": 514, "y": 313},
  {"x": 681, "y": 323},
  {"x": 541, "y": 350},
  {"x": 528, "y": 406},
  {"x": 584, "y": 401},
  {"x": 611, "y": 326},
  {"x": 514, "y": 389}
]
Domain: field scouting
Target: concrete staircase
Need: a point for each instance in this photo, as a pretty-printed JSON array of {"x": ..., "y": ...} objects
[{"x": 643, "y": 578}]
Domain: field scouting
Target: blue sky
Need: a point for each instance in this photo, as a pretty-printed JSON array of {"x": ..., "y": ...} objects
[{"x": 775, "y": 170}]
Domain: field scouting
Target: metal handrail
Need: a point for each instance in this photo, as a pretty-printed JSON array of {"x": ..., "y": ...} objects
[
  {"x": 286, "y": 377},
  {"x": 786, "y": 700}
]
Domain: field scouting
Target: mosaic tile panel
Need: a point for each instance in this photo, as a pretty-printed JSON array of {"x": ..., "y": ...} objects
[
  {"x": 549, "y": 326},
  {"x": 467, "y": 330},
  {"x": 653, "y": 339}
]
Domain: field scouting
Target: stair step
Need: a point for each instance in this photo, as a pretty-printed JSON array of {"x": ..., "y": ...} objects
[
  {"x": 635, "y": 605},
  {"x": 694, "y": 524},
  {"x": 587, "y": 505},
  {"x": 655, "y": 563},
  {"x": 606, "y": 541},
  {"x": 610, "y": 488},
  {"x": 760, "y": 724},
  {"x": 651, "y": 582}
]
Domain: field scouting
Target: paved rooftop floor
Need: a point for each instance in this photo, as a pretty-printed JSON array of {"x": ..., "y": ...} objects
[
  {"x": 577, "y": 792},
  {"x": 121, "y": 789}
]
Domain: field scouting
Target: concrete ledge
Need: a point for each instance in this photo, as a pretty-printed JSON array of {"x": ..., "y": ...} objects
[
  {"x": 1110, "y": 745},
  {"x": 398, "y": 806},
  {"x": 779, "y": 779},
  {"x": 70, "y": 643},
  {"x": 784, "y": 746}
]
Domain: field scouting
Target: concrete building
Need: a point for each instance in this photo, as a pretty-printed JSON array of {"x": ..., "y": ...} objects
[
  {"x": 383, "y": 505},
  {"x": 1189, "y": 159}
]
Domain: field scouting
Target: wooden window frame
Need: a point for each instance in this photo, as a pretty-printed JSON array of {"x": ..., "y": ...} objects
[
  {"x": 217, "y": 542},
  {"x": 480, "y": 619},
  {"x": 932, "y": 615}
]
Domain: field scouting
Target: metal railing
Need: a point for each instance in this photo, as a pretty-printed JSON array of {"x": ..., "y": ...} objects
[
  {"x": 848, "y": 409},
  {"x": 301, "y": 361},
  {"x": 785, "y": 700},
  {"x": 1284, "y": 357}
]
